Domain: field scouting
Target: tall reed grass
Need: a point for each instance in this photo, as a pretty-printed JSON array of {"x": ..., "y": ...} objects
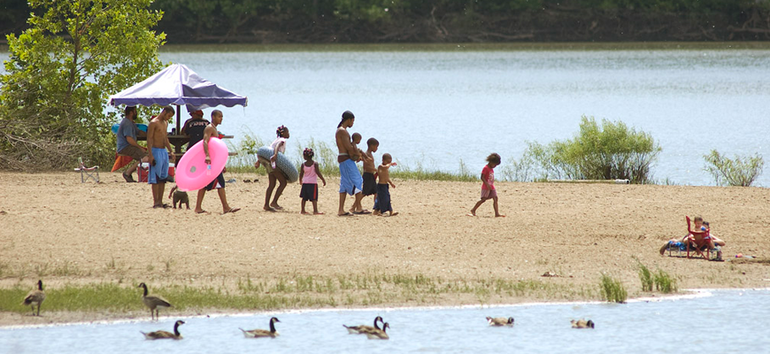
[{"x": 612, "y": 290}]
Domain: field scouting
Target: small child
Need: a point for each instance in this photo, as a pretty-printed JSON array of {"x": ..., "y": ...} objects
[
  {"x": 356, "y": 139},
  {"x": 488, "y": 187},
  {"x": 383, "y": 192},
  {"x": 370, "y": 180},
  {"x": 308, "y": 174}
]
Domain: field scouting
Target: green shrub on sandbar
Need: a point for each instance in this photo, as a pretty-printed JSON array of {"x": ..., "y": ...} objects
[
  {"x": 606, "y": 152},
  {"x": 737, "y": 172},
  {"x": 664, "y": 282},
  {"x": 612, "y": 290},
  {"x": 646, "y": 277}
]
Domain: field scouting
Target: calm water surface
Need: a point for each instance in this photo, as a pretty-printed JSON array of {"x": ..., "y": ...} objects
[
  {"x": 434, "y": 109},
  {"x": 724, "y": 321}
]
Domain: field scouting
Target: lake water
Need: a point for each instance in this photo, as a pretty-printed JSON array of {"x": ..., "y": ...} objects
[
  {"x": 436, "y": 108},
  {"x": 717, "y": 321}
]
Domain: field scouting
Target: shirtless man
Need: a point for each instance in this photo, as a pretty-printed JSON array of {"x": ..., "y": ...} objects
[
  {"x": 157, "y": 140},
  {"x": 219, "y": 182},
  {"x": 350, "y": 179}
]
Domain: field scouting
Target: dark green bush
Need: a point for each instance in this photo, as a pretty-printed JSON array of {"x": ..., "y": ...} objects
[{"x": 612, "y": 151}]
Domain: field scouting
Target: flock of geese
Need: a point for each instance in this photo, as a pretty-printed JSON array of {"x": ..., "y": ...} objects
[{"x": 156, "y": 302}]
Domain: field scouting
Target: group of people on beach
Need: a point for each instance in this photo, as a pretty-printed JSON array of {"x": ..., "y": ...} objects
[
  {"x": 375, "y": 180},
  {"x": 159, "y": 151}
]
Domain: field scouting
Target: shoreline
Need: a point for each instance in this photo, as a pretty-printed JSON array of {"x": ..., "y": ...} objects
[
  {"x": 685, "y": 294},
  {"x": 65, "y": 232}
]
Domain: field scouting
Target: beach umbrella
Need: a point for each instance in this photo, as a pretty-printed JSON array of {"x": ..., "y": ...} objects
[{"x": 177, "y": 85}]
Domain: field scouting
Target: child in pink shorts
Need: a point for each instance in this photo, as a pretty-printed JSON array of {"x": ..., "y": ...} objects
[{"x": 488, "y": 190}]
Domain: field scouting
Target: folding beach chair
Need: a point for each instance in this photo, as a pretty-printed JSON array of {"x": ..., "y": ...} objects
[
  {"x": 700, "y": 240},
  {"x": 87, "y": 172}
]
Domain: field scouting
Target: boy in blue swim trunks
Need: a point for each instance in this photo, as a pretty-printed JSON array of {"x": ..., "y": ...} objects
[
  {"x": 350, "y": 179},
  {"x": 383, "y": 190},
  {"x": 157, "y": 140}
]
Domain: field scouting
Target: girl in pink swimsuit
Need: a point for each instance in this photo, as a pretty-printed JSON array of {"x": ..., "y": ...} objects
[{"x": 309, "y": 175}]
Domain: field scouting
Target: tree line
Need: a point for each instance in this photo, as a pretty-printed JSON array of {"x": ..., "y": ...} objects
[{"x": 423, "y": 21}]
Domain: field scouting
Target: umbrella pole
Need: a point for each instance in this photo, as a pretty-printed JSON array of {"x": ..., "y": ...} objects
[{"x": 178, "y": 117}]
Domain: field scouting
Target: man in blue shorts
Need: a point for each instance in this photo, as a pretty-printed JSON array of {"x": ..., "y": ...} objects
[
  {"x": 157, "y": 140},
  {"x": 350, "y": 179}
]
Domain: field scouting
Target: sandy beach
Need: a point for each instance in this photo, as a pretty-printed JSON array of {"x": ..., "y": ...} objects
[{"x": 55, "y": 228}]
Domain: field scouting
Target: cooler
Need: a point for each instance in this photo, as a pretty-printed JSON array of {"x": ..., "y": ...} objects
[{"x": 144, "y": 170}]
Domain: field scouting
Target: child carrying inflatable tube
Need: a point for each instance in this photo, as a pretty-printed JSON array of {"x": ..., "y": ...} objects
[{"x": 281, "y": 162}]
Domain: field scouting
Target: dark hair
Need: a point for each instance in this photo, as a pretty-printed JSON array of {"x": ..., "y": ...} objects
[
  {"x": 130, "y": 109},
  {"x": 308, "y": 153},
  {"x": 372, "y": 142},
  {"x": 494, "y": 158},
  {"x": 386, "y": 156},
  {"x": 168, "y": 109},
  {"x": 355, "y": 135},
  {"x": 216, "y": 112},
  {"x": 279, "y": 131},
  {"x": 345, "y": 116}
]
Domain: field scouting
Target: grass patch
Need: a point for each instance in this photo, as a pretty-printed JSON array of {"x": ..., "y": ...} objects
[
  {"x": 646, "y": 277},
  {"x": 299, "y": 291},
  {"x": 612, "y": 290},
  {"x": 664, "y": 282}
]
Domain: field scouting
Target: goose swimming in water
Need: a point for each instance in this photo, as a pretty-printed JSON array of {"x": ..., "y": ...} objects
[
  {"x": 362, "y": 329},
  {"x": 500, "y": 321},
  {"x": 582, "y": 324},
  {"x": 165, "y": 334},
  {"x": 262, "y": 333},
  {"x": 379, "y": 333}
]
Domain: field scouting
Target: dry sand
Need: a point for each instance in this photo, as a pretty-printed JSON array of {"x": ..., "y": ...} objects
[{"x": 108, "y": 231}]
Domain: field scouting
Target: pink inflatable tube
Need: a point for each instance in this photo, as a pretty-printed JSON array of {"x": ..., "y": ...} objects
[{"x": 192, "y": 173}]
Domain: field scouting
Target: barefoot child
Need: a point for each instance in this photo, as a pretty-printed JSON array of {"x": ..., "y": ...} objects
[
  {"x": 383, "y": 193},
  {"x": 370, "y": 181},
  {"x": 309, "y": 174},
  {"x": 488, "y": 187},
  {"x": 357, "y": 207}
]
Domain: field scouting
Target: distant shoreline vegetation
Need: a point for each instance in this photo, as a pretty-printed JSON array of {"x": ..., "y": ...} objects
[
  {"x": 609, "y": 151},
  {"x": 444, "y": 21}
]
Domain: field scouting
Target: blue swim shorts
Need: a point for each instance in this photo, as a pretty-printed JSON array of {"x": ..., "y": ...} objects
[
  {"x": 350, "y": 179},
  {"x": 159, "y": 172}
]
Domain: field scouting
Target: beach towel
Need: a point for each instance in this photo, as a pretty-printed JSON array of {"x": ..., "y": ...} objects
[{"x": 120, "y": 161}]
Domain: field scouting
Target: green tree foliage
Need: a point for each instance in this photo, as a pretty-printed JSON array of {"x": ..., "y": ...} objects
[
  {"x": 737, "y": 172},
  {"x": 450, "y": 20},
  {"x": 612, "y": 151},
  {"x": 60, "y": 73}
]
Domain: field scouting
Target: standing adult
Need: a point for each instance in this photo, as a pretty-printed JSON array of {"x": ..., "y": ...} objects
[
  {"x": 274, "y": 173},
  {"x": 193, "y": 128},
  {"x": 127, "y": 145},
  {"x": 219, "y": 182},
  {"x": 350, "y": 179},
  {"x": 157, "y": 140}
]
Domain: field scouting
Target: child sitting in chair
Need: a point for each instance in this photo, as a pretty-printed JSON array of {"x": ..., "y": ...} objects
[{"x": 699, "y": 238}]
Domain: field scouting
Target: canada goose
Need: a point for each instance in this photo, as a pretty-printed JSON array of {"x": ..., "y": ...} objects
[
  {"x": 154, "y": 302},
  {"x": 379, "y": 333},
  {"x": 35, "y": 297},
  {"x": 500, "y": 321},
  {"x": 582, "y": 324},
  {"x": 165, "y": 334},
  {"x": 262, "y": 333},
  {"x": 362, "y": 329}
]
